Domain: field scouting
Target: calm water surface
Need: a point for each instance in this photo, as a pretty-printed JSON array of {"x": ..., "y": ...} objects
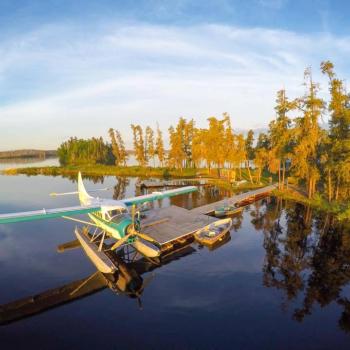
[
  {"x": 281, "y": 282},
  {"x": 21, "y": 163}
]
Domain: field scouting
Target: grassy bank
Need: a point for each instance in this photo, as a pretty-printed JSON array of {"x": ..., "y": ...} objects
[
  {"x": 103, "y": 170},
  {"x": 222, "y": 183},
  {"x": 340, "y": 210},
  {"x": 136, "y": 171}
]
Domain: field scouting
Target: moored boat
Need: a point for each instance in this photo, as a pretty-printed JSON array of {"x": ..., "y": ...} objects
[
  {"x": 227, "y": 210},
  {"x": 213, "y": 233}
]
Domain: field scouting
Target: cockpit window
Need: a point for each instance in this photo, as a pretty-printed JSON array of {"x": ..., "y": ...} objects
[{"x": 117, "y": 212}]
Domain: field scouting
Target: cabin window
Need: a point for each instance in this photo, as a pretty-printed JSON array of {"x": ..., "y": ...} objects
[
  {"x": 117, "y": 212},
  {"x": 113, "y": 213}
]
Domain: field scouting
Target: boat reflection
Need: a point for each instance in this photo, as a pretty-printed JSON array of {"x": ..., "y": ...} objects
[
  {"x": 307, "y": 257},
  {"x": 218, "y": 244}
]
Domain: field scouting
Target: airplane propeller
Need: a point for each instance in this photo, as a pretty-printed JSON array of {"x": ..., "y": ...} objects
[
  {"x": 137, "y": 293},
  {"x": 138, "y": 233},
  {"x": 132, "y": 232}
]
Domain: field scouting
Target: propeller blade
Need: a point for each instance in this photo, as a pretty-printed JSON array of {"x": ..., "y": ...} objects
[
  {"x": 147, "y": 238},
  {"x": 121, "y": 242}
]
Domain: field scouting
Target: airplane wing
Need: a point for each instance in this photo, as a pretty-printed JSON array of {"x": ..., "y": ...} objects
[
  {"x": 47, "y": 214},
  {"x": 158, "y": 195}
]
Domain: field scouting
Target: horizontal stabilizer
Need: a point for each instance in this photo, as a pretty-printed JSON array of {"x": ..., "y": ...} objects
[{"x": 56, "y": 194}]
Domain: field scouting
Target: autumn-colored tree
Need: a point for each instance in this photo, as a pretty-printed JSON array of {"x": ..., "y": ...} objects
[
  {"x": 139, "y": 146},
  {"x": 338, "y": 152},
  {"x": 261, "y": 160},
  {"x": 305, "y": 160},
  {"x": 150, "y": 148},
  {"x": 214, "y": 142},
  {"x": 115, "y": 147},
  {"x": 230, "y": 154},
  {"x": 160, "y": 147},
  {"x": 187, "y": 140},
  {"x": 123, "y": 155},
  {"x": 280, "y": 136},
  {"x": 176, "y": 152},
  {"x": 242, "y": 155},
  {"x": 198, "y": 147},
  {"x": 249, "y": 144},
  {"x": 181, "y": 140}
]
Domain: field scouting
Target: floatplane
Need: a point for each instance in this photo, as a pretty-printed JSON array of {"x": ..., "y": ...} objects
[{"x": 118, "y": 220}]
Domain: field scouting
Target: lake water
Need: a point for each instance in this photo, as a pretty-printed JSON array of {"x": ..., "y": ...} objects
[
  {"x": 20, "y": 163},
  {"x": 281, "y": 282}
]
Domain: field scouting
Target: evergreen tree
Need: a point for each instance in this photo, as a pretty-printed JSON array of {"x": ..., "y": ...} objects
[
  {"x": 88, "y": 152},
  {"x": 305, "y": 160},
  {"x": 280, "y": 135},
  {"x": 338, "y": 152}
]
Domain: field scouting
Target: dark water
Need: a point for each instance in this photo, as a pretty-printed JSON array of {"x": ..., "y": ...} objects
[{"x": 281, "y": 282}]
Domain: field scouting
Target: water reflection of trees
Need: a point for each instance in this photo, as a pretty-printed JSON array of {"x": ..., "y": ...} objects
[
  {"x": 120, "y": 187},
  {"x": 307, "y": 256},
  {"x": 94, "y": 178},
  {"x": 203, "y": 195}
]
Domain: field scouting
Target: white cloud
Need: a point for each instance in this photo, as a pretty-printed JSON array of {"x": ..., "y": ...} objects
[{"x": 65, "y": 80}]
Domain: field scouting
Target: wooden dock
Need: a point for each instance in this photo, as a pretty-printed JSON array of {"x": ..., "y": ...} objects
[
  {"x": 236, "y": 199},
  {"x": 172, "y": 183},
  {"x": 174, "y": 226}
]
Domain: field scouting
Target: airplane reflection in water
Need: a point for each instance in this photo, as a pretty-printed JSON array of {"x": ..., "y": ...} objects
[{"x": 126, "y": 281}]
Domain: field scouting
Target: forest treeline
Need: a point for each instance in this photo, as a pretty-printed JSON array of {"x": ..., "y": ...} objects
[
  {"x": 295, "y": 144},
  {"x": 27, "y": 153}
]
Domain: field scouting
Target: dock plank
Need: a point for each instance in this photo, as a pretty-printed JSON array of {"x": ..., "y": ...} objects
[
  {"x": 182, "y": 222},
  {"x": 208, "y": 208}
]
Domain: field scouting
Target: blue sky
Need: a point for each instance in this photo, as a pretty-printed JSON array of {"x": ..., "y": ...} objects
[{"x": 80, "y": 67}]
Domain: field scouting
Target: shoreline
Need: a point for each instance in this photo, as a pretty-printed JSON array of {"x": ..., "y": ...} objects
[
  {"x": 102, "y": 170},
  {"x": 340, "y": 210}
]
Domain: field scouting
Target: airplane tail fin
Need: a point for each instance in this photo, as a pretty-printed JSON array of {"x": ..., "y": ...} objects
[{"x": 84, "y": 197}]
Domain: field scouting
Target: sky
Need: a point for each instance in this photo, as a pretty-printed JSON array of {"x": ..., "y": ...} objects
[{"x": 79, "y": 67}]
